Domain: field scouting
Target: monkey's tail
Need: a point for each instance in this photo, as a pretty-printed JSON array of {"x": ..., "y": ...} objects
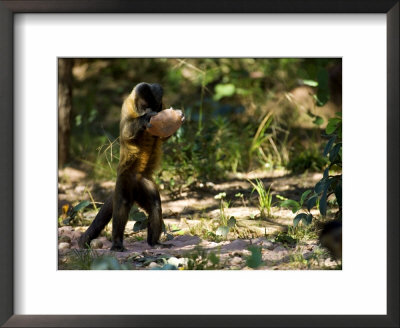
[{"x": 100, "y": 221}]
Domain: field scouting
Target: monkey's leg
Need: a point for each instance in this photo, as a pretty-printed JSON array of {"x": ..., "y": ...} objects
[
  {"x": 148, "y": 197},
  {"x": 121, "y": 206},
  {"x": 98, "y": 224}
]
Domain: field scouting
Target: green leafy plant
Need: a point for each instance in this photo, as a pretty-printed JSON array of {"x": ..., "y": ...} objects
[
  {"x": 323, "y": 93},
  {"x": 260, "y": 138},
  {"x": 225, "y": 223},
  {"x": 81, "y": 259},
  {"x": 286, "y": 239},
  {"x": 309, "y": 159},
  {"x": 254, "y": 260},
  {"x": 73, "y": 212},
  {"x": 199, "y": 259},
  {"x": 241, "y": 196},
  {"x": 223, "y": 230},
  {"x": 329, "y": 185},
  {"x": 264, "y": 197}
]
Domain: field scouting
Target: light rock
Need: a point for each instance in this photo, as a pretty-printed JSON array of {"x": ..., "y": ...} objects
[
  {"x": 62, "y": 246},
  {"x": 96, "y": 244},
  {"x": 153, "y": 265},
  {"x": 166, "y": 122},
  {"x": 176, "y": 262}
]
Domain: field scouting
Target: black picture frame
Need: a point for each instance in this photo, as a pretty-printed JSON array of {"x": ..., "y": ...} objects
[{"x": 8, "y": 200}]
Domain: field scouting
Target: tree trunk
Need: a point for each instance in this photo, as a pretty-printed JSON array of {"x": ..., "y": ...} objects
[{"x": 64, "y": 108}]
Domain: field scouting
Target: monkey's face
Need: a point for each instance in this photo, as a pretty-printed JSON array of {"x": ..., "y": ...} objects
[{"x": 148, "y": 97}]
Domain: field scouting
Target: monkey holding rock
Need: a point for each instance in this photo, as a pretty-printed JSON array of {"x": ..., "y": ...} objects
[{"x": 143, "y": 128}]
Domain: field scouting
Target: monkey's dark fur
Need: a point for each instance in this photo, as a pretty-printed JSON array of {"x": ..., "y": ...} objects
[{"x": 140, "y": 154}]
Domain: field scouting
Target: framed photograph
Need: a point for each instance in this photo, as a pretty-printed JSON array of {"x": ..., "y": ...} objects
[{"x": 246, "y": 152}]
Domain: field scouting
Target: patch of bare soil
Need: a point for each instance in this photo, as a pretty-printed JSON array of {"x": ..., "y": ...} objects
[{"x": 195, "y": 212}]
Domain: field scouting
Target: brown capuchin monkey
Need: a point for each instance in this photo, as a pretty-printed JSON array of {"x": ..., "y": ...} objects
[{"x": 140, "y": 154}]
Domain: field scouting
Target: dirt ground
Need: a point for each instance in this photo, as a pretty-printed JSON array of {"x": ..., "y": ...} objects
[{"x": 190, "y": 215}]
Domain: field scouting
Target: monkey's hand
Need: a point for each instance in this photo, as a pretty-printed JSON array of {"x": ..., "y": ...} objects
[
  {"x": 132, "y": 128},
  {"x": 145, "y": 118}
]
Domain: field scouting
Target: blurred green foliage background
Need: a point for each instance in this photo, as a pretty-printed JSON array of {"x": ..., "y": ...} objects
[{"x": 241, "y": 113}]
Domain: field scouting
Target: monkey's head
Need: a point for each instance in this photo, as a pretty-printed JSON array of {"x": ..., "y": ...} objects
[{"x": 148, "y": 97}]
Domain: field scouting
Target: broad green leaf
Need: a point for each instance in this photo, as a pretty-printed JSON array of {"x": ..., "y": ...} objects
[
  {"x": 327, "y": 184},
  {"x": 310, "y": 83},
  {"x": 323, "y": 203},
  {"x": 298, "y": 218},
  {"x": 332, "y": 125},
  {"x": 322, "y": 95},
  {"x": 231, "y": 222},
  {"x": 339, "y": 132},
  {"x": 328, "y": 146},
  {"x": 213, "y": 258},
  {"x": 222, "y": 231},
  {"x": 296, "y": 221},
  {"x": 312, "y": 202},
  {"x": 307, "y": 220},
  {"x": 304, "y": 196},
  {"x": 291, "y": 204},
  {"x": 140, "y": 225},
  {"x": 137, "y": 216},
  {"x": 224, "y": 90},
  {"x": 318, "y": 120},
  {"x": 81, "y": 206},
  {"x": 335, "y": 151},
  {"x": 323, "y": 78},
  {"x": 326, "y": 173},
  {"x": 255, "y": 259},
  {"x": 320, "y": 186}
]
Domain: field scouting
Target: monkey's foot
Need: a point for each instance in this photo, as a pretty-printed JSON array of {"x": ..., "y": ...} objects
[
  {"x": 84, "y": 241},
  {"x": 118, "y": 248}
]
